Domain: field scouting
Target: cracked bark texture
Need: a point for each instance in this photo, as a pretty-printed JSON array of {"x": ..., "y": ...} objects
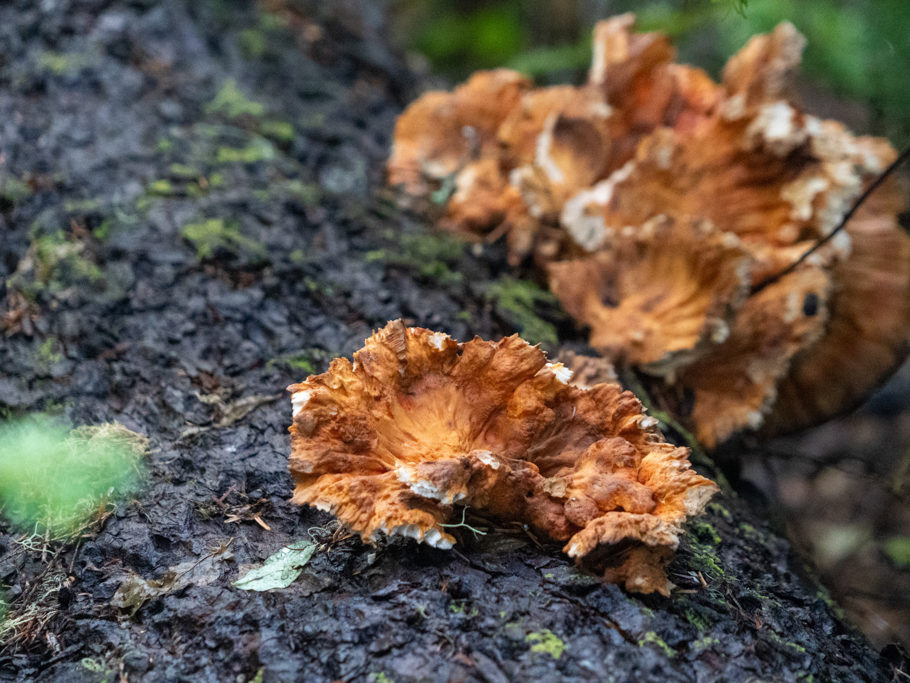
[{"x": 207, "y": 177}]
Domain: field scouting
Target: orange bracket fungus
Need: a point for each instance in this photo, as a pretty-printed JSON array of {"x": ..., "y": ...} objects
[
  {"x": 661, "y": 295},
  {"x": 441, "y": 132},
  {"x": 734, "y": 386},
  {"x": 420, "y": 426},
  {"x": 801, "y": 348},
  {"x": 666, "y": 208},
  {"x": 517, "y": 154}
]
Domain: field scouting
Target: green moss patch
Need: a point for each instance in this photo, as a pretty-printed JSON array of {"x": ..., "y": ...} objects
[
  {"x": 517, "y": 301},
  {"x": 55, "y": 261},
  {"x": 233, "y": 103},
  {"x": 280, "y": 131},
  {"x": 547, "y": 642},
  {"x": 13, "y": 191},
  {"x": 215, "y": 234},
  {"x": 309, "y": 360},
  {"x": 61, "y": 64},
  {"x": 432, "y": 256},
  {"x": 653, "y": 639},
  {"x": 257, "y": 149}
]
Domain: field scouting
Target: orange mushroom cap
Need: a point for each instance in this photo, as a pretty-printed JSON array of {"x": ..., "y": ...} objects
[
  {"x": 868, "y": 332},
  {"x": 419, "y": 424},
  {"x": 570, "y": 171},
  {"x": 642, "y": 85},
  {"x": 588, "y": 370},
  {"x": 441, "y": 132},
  {"x": 520, "y": 129},
  {"x": 735, "y": 384},
  {"x": 657, "y": 296},
  {"x": 482, "y": 197},
  {"x": 496, "y": 134},
  {"x": 763, "y": 69},
  {"x": 773, "y": 195},
  {"x": 785, "y": 178}
]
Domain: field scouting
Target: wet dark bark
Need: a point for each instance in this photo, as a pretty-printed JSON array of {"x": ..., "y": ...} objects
[{"x": 113, "y": 141}]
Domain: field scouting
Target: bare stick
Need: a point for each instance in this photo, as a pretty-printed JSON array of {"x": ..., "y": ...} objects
[{"x": 903, "y": 156}]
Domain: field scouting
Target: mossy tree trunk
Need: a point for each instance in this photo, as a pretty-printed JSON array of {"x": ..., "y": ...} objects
[{"x": 192, "y": 216}]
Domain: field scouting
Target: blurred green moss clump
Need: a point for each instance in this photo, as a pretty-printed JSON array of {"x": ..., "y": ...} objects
[
  {"x": 56, "y": 481},
  {"x": 857, "y": 49}
]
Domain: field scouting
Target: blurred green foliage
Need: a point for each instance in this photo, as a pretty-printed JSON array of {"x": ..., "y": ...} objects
[
  {"x": 859, "y": 49},
  {"x": 55, "y": 481},
  {"x": 897, "y": 548},
  {"x": 490, "y": 34}
]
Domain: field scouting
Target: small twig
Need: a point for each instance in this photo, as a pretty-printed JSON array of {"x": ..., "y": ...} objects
[
  {"x": 903, "y": 156},
  {"x": 75, "y": 555},
  {"x": 220, "y": 501},
  {"x": 442, "y": 634},
  {"x": 466, "y": 559},
  {"x": 47, "y": 540},
  {"x": 534, "y": 539}
]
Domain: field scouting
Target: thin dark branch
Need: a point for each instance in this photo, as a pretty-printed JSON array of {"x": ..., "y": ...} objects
[{"x": 903, "y": 156}]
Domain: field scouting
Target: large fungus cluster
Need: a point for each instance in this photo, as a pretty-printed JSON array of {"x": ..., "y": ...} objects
[
  {"x": 420, "y": 426},
  {"x": 664, "y": 208},
  {"x": 516, "y": 155}
]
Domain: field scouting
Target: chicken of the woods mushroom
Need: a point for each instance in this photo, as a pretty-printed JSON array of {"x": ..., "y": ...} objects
[
  {"x": 663, "y": 206},
  {"x": 419, "y": 427}
]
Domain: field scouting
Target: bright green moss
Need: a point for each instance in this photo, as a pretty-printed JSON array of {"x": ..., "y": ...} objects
[
  {"x": 231, "y": 102},
  {"x": 61, "y": 64},
  {"x": 214, "y": 234},
  {"x": 706, "y": 532},
  {"x": 252, "y": 43},
  {"x": 654, "y": 639},
  {"x": 161, "y": 188},
  {"x": 257, "y": 149},
  {"x": 547, "y": 642},
  {"x": 281, "y": 131},
  {"x": 517, "y": 300},
  {"x": 183, "y": 171},
  {"x": 58, "y": 262},
  {"x": 13, "y": 190},
  {"x": 897, "y": 548}
]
